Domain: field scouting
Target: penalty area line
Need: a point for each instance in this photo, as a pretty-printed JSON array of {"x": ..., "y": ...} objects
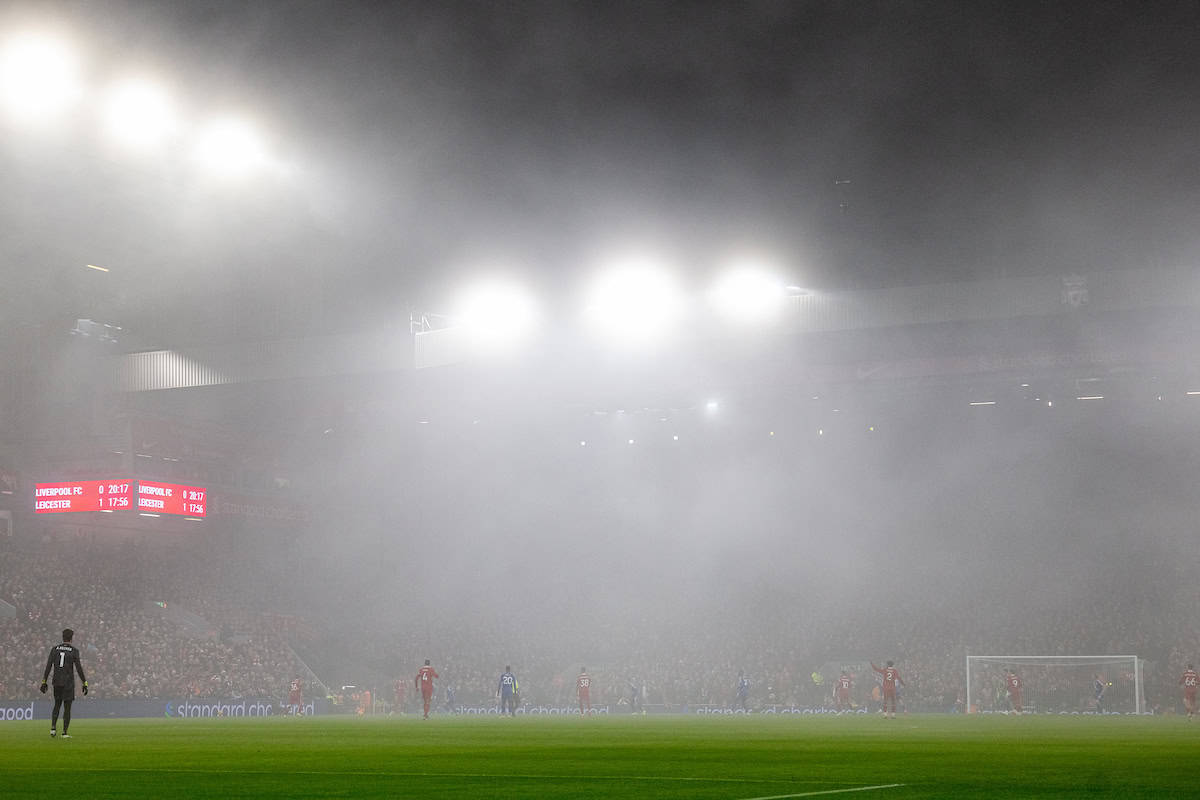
[{"x": 827, "y": 791}]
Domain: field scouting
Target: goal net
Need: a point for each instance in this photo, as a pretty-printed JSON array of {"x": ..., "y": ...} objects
[{"x": 1056, "y": 684}]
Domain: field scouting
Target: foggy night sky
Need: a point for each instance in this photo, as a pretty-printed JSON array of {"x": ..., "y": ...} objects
[{"x": 978, "y": 139}]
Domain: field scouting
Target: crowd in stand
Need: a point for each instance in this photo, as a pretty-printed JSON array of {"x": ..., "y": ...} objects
[
  {"x": 119, "y": 598},
  {"x": 119, "y": 602}
]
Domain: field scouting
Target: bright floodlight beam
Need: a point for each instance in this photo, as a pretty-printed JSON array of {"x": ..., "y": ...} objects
[
  {"x": 230, "y": 148},
  {"x": 139, "y": 114},
  {"x": 748, "y": 296},
  {"x": 39, "y": 78},
  {"x": 634, "y": 305},
  {"x": 496, "y": 315}
]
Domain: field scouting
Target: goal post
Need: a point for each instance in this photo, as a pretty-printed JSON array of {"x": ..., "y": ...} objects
[{"x": 1056, "y": 684}]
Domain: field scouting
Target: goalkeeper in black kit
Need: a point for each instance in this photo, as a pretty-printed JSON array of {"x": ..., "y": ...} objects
[{"x": 64, "y": 661}]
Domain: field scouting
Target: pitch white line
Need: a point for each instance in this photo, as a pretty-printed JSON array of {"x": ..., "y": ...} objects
[
  {"x": 828, "y": 791},
  {"x": 487, "y": 775},
  {"x": 400, "y": 774}
]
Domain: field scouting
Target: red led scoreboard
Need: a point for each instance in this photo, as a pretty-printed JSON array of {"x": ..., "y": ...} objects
[
  {"x": 56, "y": 498},
  {"x": 120, "y": 495},
  {"x": 168, "y": 498}
]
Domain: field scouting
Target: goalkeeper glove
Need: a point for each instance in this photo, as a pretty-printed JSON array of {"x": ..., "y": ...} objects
[
  {"x": 42, "y": 688},
  {"x": 85, "y": 687}
]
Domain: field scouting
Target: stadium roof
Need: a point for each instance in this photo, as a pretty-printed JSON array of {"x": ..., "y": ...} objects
[{"x": 1000, "y": 325}]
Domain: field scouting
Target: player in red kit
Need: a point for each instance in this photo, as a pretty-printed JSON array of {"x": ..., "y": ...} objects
[
  {"x": 424, "y": 682},
  {"x": 1014, "y": 690},
  {"x": 583, "y": 688},
  {"x": 891, "y": 677},
  {"x": 841, "y": 691},
  {"x": 295, "y": 704},
  {"x": 1189, "y": 683}
]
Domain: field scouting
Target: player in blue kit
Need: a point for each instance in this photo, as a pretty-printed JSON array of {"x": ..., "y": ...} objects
[
  {"x": 743, "y": 691},
  {"x": 507, "y": 692}
]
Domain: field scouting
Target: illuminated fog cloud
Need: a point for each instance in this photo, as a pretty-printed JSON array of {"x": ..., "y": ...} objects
[
  {"x": 496, "y": 314},
  {"x": 39, "y": 77},
  {"x": 634, "y": 303},
  {"x": 138, "y": 114},
  {"x": 230, "y": 147},
  {"x": 748, "y": 295}
]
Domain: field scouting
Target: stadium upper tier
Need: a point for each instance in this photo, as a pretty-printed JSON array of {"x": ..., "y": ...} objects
[{"x": 1107, "y": 319}]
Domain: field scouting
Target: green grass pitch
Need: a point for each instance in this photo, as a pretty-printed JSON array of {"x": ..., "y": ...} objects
[{"x": 721, "y": 758}]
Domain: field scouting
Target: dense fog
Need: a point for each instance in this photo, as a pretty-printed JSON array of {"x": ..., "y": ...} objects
[{"x": 672, "y": 519}]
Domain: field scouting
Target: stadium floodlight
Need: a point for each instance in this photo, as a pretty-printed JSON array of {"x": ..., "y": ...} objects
[
  {"x": 496, "y": 314},
  {"x": 634, "y": 304},
  {"x": 230, "y": 148},
  {"x": 139, "y": 114},
  {"x": 39, "y": 77},
  {"x": 748, "y": 295}
]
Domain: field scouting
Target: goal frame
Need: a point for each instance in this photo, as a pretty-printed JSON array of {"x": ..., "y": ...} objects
[{"x": 1063, "y": 661}]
